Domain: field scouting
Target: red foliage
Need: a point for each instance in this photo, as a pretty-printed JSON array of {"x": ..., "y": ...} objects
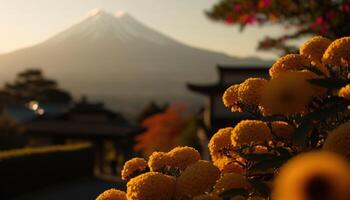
[{"x": 162, "y": 130}]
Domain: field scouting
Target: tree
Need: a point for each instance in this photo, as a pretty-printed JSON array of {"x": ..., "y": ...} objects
[
  {"x": 162, "y": 131},
  {"x": 32, "y": 85},
  {"x": 329, "y": 18}
]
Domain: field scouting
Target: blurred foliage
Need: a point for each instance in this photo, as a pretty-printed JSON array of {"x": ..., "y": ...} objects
[
  {"x": 11, "y": 135},
  {"x": 32, "y": 85},
  {"x": 166, "y": 130},
  {"x": 300, "y": 18}
]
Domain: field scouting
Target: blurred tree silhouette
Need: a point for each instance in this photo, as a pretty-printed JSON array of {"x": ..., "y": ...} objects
[
  {"x": 329, "y": 18},
  {"x": 32, "y": 85},
  {"x": 11, "y": 135},
  {"x": 151, "y": 109}
]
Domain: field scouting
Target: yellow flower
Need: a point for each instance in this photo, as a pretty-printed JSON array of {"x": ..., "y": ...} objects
[
  {"x": 196, "y": 179},
  {"x": 283, "y": 94},
  {"x": 314, "y": 49},
  {"x": 338, "y": 52},
  {"x": 338, "y": 140},
  {"x": 230, "y": 98},
  {"x": 282, "y": 129},
  {"x": 209, "y": 196},
  {"x": 231, "y": 181},
  {"x": 157, "y": 161},
  {"x": 133, "y": 166},
  {"x": 151, "y": 186},
  {"x": 228, "y": 165},
  {"x": 248, "y": 131},
  {"x": 219, "y": 141},
  {"x": 249, "y": 92},
  {"x": 345, "y": 92},
  {"x": 313, "y": 176},
  {"x": 289, "y": 62},
  {"x": 112, "y": 194},
  {"x": 181, "y": 157}
]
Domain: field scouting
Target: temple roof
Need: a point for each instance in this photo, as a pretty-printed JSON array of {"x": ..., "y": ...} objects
[
  {"x": 207, "y": 88},
  {"x": 221, "y": 85}
]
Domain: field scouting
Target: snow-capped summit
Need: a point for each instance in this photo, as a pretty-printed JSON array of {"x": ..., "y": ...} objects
[
  {"x": 101, "y": 25},
  {"x": 120, "y": 13}
]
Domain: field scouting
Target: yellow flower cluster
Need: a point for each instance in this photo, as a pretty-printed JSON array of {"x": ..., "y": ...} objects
[
  {"x": 250, "y": 131},
  {"x": 249, "y": 92},
  {"x": 230, "y": 98},
  {"x": 337, "y": 53},
  {"x": 231, "y": 181},
  {"x": 155, "y": 185},
  {"x": 179, "y": 157},
  {"x": 196, "y": 179},
  {"x": 112, "y": 194},
  {"x": 287, "y": 63},
  {"x": 219, "y": 141},
  {"x": 314, "y": 49},
  {"x": 282, "y": 94},
  {"x": 150, "y": 186},
  {"x": 289, "y": 74},
  {"x": 132, "y": 166},
  {"x": 288, "y": 95}
]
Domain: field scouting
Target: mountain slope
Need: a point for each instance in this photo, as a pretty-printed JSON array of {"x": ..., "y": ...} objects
[{"x": 118, "y": 59}]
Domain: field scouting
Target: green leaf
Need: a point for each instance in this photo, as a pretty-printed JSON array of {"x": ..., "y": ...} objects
[
  {"x": 269, "y": 163},
  {"x": 330, "y": 83},
  {"x": 233, "y": 193},
  {"x": 260, "y": 187},
  {"x": 315, "y": 70},
  {"x": 257, "y": 157},
  {"x": 300, "y": 133},
  {"x": 282, "y": 151}
]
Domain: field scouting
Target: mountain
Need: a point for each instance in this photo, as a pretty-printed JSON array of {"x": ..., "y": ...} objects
[{"x": 119, "y": 60}]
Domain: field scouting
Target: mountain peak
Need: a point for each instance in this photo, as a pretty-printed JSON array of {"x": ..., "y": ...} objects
[
  {"x": 121, "y": 13},
  {"x": 97, "y": 12},
  {"x": 121, "y": 27}
]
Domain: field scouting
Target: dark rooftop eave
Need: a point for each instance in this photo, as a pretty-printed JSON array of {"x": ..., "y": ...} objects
[
  {"x": 206, "y": 89},
  {"x": 232, "y": 68}
]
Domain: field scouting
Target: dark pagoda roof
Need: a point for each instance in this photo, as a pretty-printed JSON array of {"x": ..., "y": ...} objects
[
  {"x": 207, "y": 88},
  {"x": 221, "y": 85}
]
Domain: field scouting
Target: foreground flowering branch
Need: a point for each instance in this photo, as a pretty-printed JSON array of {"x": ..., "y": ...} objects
[
  {"x": 297, "y": 147},
  {"x": 299, "y": 18}
]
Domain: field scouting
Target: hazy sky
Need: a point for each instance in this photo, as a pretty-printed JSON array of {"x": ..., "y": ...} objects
[{"x": 27, "y": 22}]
